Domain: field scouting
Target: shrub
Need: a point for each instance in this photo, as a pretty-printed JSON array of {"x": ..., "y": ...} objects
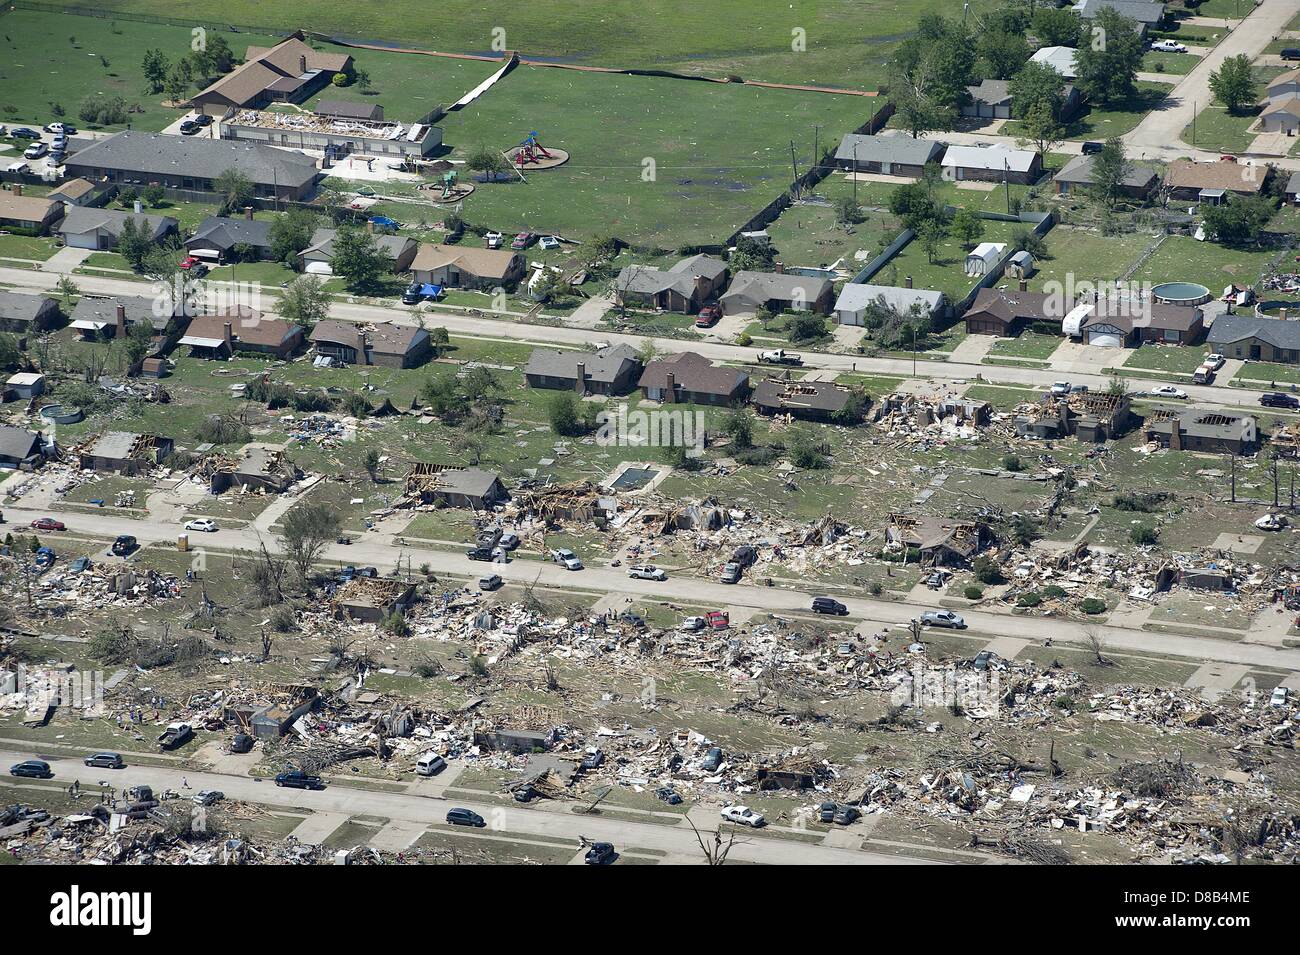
[
  {"x": 1011, "y": 462},
  {"x": 1031, "y": 598},
  {"x": 972, "y": 592},
  {"x": 876, "y": 588},
  {"x": 988, "y": 572},
  {"x": 1143, "y": 535},
  {"x": 1093, "y": 606},
  {"x": 1052, "y": 591}
]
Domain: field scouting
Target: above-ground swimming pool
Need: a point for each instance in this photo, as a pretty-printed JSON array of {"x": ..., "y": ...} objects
[{"x": 1180, "y": 293}]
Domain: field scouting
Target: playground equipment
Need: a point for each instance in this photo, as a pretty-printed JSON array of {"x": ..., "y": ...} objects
[
  {"x": 533, "y": 155},
  {"x": 448, "y": 183}
]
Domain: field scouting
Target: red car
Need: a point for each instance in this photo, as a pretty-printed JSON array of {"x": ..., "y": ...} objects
[
  {"x": 522, "y": 241},
  {"x": 192, "y": 264},
  {"x": 48, "y": 524},
  {"x": 708, "y": 316}
]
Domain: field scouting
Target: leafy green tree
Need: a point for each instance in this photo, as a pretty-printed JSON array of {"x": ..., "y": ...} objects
[
  {"x": 155, "y": 66},
  {"x": 931, "y": 235},
  {"x": 1036, "y": 83},
  {"x": 1109, "y": 59},
  {"x": 180, "y": 76},
  {"x": 1002, "y": 53},
  {"x": 236, "y": 190},
  {"x": 1041, "y": 129},
  {"x": 752, "y": 255},
  {"x": 358, "y": 260},
  {"x": 1233, "y": 83},
  {"x": 569, "y": 416},
  {"x": 1110, "y": 167},
  {"x": 1056, "y": 26},
  {"x": 967, "y": 226},
  {"x": 134, "y": 242},
  {"x": 306, "y": 530},
  {"x": 304, "y": 301},
  {"x": 488, "y": 163},
  {"x": 290, "y": 233},
  {"x": 1237, "y": 221}
]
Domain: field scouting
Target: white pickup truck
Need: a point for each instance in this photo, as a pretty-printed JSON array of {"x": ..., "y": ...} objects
[{"x": 779, "y": 357}]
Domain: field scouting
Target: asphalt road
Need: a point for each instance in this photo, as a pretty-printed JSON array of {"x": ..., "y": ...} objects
[
  {"x": 381, "y": 551},
  {"x": 677, "y": 840},
  {"x": 485, "y": 327}
]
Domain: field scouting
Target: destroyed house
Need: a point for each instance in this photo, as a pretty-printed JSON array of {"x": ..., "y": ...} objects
[
  {"x": 262, "y": 469},
  {"x": 1006, "y": 313},
  {"x": 19, "y": 447},
  {"x": 125, "y": 452},
  {"x": 513, "y": 740},
  {"x": 270, "y": 720},
  {"x": 1089, "y": 416},
  {"x": 684, "y": 287},
  {"x": 452, "y": 486},
  {"x": 937, "y": 541},
  {"x": 372, "y": 599},
  {"x": 692, "y": 378},
  {"x": 809, "y": 400},
  {"x": 1197, "y": 429},
  {"x": 611, "y": 370},
  {"x": 22, "y": 312},
  {"x": 553, "y": 503}
]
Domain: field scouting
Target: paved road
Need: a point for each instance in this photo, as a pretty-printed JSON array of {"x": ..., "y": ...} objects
[
  {"x": 485, "y": 327},
  {"x": 1159, "y": 135},
  {"x": 379, "y": 550},
  {"x": 678, "y": 840}
]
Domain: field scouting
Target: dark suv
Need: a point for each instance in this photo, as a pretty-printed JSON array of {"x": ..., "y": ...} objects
[
  {"x": 297, "y": 779},
  {"x": 1278, "y": 399},
  {"x": 124, "y": 544},
  {"x": 829, "y": 605},
  {"x": 465, "y": 817},
  {"x": 32, "y": 768}
]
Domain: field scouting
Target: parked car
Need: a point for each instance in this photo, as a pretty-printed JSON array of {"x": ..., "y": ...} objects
[
  {"x": 632, "y": 619},
  {"x": 194, "y": 265},
  {"x": 418, "y": 292},
  {"x": 712, "y": 759},
  {"x": 32, "y": 769},
  {"x": 124, "y": 544},
  {"x": 105, "y": 760},
  {"x": 1060, "y": 388},
  {"x": 202, "y": 119},
  {"x": 691, "y": 624},
  {"x": 204, "y": 524},
  {"x": 1168, "y": 391},
  {"x": 708, "y": 316},
  {"x": 1168, "y": 46},
  {"x": 522, "y": 241},
  {"x": 241, "y": 743},
  {"x": 1280, "y": 696},
  {"x": 548, "y": 242},
  {"x": 600, "y": 853},
  {"x": 48, "y": 524},
  {"x": 57, "y": 157},
  {"x": 593, "y": 760},
  {"x": 1091, "y": 147},
  {"x": 829, "y": 605},
  {"x": 943, "y": 618},
  {"x": 35, "y": 151},
  {"x": 826, "y": 811},
  {"x": 744, "y": 816},
  {"x": 780, "y": 356},
  {"x": 207, "y": 797},
  {"x": 566, "y": 558},
  {"x": 494, "y": 239},
  {"x": 465, "y": 817},
  {"x": 646, "y": 572},
  {"x": 731, "y": 573},
  {"x": 1272, "y": 399},
  {"x": 1215, "y": 361},
  {"x": 430, "y": 764},
  {"x": 486, "y": 553},
  {"x": 23, "y": 132},
  {"x": 297, "y": 779},
  {"x": 1290, "y": 53},
  {"x": 508, "y": 541},
  {"x": 66, "y": 129},
  {"x": 190, "y": 128},
  {"x": 669, "y": 795},
  {"x": 845, "y": 815},
  {"x": 490, "y": 582}
]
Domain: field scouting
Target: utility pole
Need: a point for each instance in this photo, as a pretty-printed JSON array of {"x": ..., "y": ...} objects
[
  {"x": 817, "y": 156},
  {"x": 794, "y": 165},
  {"x": 1006, "y": 182},
  {"x": 913, "y": 351},
  {"x": 855, "y": 175},
  {"x": 1275, "y": 478},
  {"x": 1233, "y": 459}
]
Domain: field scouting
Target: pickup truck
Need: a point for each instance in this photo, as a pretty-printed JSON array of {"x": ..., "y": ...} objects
[
  {"x": 176, "y": 734},
  {"x": 780, "y": 357}
]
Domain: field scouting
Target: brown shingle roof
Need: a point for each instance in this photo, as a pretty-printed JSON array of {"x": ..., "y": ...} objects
[
  {"x": 1232, "y": 176},
  {"x": 485, "y": 263},
  {"x": 24, "y": 208},
  {"x": 693, "y": 372},
  {"x": 249, "y": 327}
]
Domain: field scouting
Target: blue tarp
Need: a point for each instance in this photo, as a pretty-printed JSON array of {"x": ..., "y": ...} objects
[
  {"x": 430, "y": 291},
  {"x": 384, "y": 222}
]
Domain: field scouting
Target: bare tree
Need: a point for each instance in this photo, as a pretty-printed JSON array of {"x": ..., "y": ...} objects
[
  {"x": 715, "y": 848},
  {"x": 307, "y": 529},
  {"x": 1096, "y": 638}
]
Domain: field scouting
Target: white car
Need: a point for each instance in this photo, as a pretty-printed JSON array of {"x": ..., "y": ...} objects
[
  {"x": 548, "y": 242},
  {"x": 1280, "y": 696},
  {"x": 1168, "y": 46},
  {"x": 646, "y": 572},
  {"x": 1215, "y": 361},
  {"x": 208, "y": 797},
  {"x": 566, "y": 558},
  {"x": 1060, "y": 388},
  {"x": 204, "y": 524},
  {"x": 1168, "y": 391},
  {"x": 494, "y": 240},
  {"x": 691, "y": 624},
  {"x": 744, "y": 816}
]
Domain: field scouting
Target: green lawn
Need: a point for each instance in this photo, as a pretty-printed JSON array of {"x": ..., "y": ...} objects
[
  {"x": 807, "y": 234},
  {"x": 1031, "y": 345},
  {"x": 1261, "y": 371},
  {"x": 848, "y": 42},
  {"x": 1101, "y": 123},
  {"x": 1175, "y": 64},
  {"x": 947, "y": 272},
  {"x": 1183, "y": 259},
  {"x": 1176, "y": 359},
  {"x": 26, "y": 247},
  {"x": 59, "y": 58},
  {"x": 1217, "y": 129},
  {"x": 1077, "y": 255}
]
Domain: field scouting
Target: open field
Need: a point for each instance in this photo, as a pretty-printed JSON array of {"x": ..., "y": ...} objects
[
  {"x": 1076, "y": 255},
  {"x": 1217, "y": 129},
  {"x": 1181, "y": 258},
  {"x": 947, "y": 272}
]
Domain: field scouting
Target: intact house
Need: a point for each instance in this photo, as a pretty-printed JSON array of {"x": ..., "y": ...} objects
[
  {"x": 86, "y": 227},
  {"x": 1076, "y": 176},
  {"x": 1199, "y": 429},
  {"x": 78, "y": 192},
  {"x": 1114, "y": 322},
  {"x": 22, "y": 313},
  {"x": 1007, "y": 312},
  {"x": 1148, "y": 15},
  {"x": 692, "y": 378},
  {"x": 887, "y": 155},
  {"x": 1281, "y": 116},
  {"x": 125, "y": 452},
  {"x": 1256, "y": 339},
  {"x": 290, "y": 71},
  {"x": 854, "y": 300},
  {"x": 347, "y": 109},
  {"x": 241, "y": 329},
  {"x": 385, "y": 344},
  {"x": 220, "y": 239},
  {"x": 937, "y": 541},
  {"x": 19, "y": 448},
  {"x": 317, "y": 256},
  {"x": 1060, "y": 58},
  {"x": 612, "y": 370},
  {"x": 1293, "y": 189},
  {"x": 455, "y": 266},
  {"x": 96, "y": 317},
  {"x": 31, "y": 215},
  {"x": 454, "y": 486},
  {"x": 778, "y": 292},
  {"x": 807, "y": 400},
  {"x": 1212, "y": 181},
  {"x": 992, "y": 163},
  {"x": 193, "y": 164},
  {"x": 684, "y": 287}
]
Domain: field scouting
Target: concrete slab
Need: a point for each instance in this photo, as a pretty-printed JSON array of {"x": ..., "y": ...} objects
[
  {"x": 1006, "y": 647},
  {"x": 1270, "y": 627},
  {"x": 1215, "y": 679},
  {"x": 1238, "y": 543},
  {"x": 316, "y": 828},
  {"x": 397, "y": 836},
  {"x": 972, "y": 349},
  {"x": 844, "y": 838},
  {"x": 435, "y": 786}
]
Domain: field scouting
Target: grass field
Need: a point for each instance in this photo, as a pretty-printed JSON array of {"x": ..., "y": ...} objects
[
  {"x": 705, "y": 182},
  {"x": 1076, "y": 255},
  {"x": 844, "y": 42},
  {"x": 1217, "y": 129},
  {"x": 947, "y": 272},
  {"x": 1102, "y": 123},
  {"x": 1183, "y": 259},
  {"x": 57, "y": 58},
  {"x": 1175, "y": 64},
  {"x": 807, "y": 234}
]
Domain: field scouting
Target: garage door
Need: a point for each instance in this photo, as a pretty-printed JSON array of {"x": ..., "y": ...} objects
[
  {"x": 84, "y": 240},
  {"x": 1104, "y": 340}
]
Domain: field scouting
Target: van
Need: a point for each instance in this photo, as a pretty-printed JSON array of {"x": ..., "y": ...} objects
[
  {"x": 430, "y": 764},
  {"x": 1291, "y": 53}
]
